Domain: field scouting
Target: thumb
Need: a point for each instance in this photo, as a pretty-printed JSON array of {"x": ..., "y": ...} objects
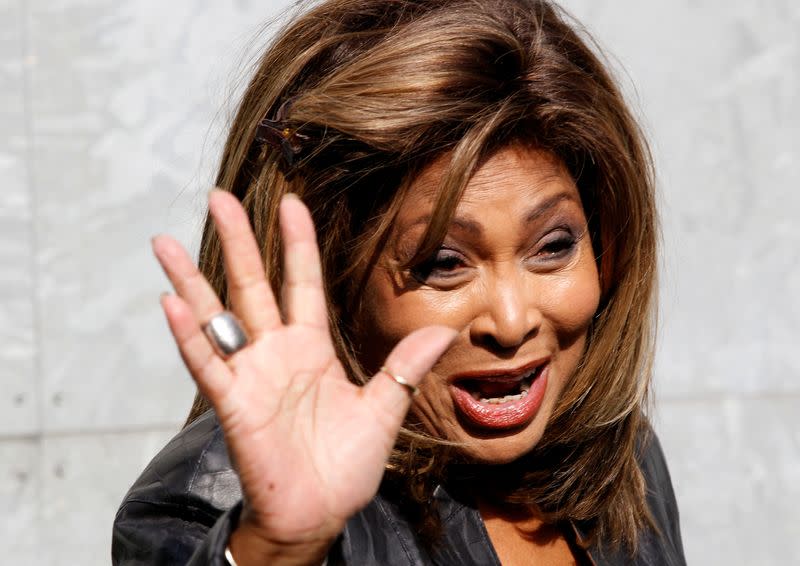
[{"x": 411, "y": 359}]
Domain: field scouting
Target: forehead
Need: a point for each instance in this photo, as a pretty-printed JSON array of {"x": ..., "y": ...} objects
[{"x": 514, "y": 173}]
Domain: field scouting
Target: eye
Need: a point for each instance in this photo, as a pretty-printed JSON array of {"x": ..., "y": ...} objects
[
  {"x": 443, "y": 264},
  {"x": 556, "y": 245}
]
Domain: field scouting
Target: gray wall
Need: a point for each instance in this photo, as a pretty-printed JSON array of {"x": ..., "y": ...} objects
[{"x": 111, "y": 116}]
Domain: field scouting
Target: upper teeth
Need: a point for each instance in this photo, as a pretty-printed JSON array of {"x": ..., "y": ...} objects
[
  {"x": 525, "y": 386},
  {"x": 530, "y": 374}
]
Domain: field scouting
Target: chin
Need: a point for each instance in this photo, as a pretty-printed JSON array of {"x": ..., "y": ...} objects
[{"x": 499, "y": 448}]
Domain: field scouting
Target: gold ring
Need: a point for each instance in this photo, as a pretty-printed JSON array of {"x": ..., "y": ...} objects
[{"x": 412, "y": 390}]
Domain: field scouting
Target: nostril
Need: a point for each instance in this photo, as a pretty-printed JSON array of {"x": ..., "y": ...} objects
[
  {"x": 510, "y": 319},
  {"x": 503, "y": 345},
  {"x": 491, "y": 343}
]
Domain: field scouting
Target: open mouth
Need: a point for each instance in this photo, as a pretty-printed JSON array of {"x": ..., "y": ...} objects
[
  {"x": 498, "y": 391},
  {"x": 501, "y": 400}
]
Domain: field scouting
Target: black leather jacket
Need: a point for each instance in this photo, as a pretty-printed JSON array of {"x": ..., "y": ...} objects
[{"x": 185, "y": 504}]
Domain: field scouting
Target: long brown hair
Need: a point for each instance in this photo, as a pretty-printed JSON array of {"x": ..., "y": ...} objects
[{"x": 379, "y": 89}]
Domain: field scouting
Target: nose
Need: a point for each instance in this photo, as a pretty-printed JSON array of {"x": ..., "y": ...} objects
[{"x": 511, "y": 313}]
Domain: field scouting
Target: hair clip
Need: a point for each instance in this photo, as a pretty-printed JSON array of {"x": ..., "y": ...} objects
[{"x": 278, "y": 134}]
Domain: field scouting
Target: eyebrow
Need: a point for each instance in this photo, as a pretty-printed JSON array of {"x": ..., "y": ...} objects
[{"x": 467, "y": 224}]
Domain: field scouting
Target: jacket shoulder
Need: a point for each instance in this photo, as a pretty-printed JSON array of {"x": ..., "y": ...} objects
[
  {"x": 177, "y": 499},
  {"x": 193, "y": 466},
  {"x": 660, "y": 497}
]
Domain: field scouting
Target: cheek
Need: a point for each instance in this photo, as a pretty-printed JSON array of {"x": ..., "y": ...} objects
[
  {"x": 573, "y": 299},
  {"x": 389, "y": 314}
]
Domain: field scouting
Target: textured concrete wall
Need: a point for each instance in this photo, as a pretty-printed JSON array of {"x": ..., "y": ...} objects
[{"x": 110, "y": 121}]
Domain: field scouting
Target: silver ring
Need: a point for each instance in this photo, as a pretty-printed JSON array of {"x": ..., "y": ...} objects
[
  {"x": 225, "y": 333},
  {"x": 399, "y": 379}
]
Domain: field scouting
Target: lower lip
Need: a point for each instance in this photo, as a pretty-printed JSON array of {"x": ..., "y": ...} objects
[{"x": 506, "y": 415}]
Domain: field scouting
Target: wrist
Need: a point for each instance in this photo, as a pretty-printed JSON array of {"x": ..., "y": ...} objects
[{"x": 248, "y": 547}]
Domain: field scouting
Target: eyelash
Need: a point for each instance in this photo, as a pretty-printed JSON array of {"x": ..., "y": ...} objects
[
  {"x": 439, "y": 261},
  {"x": 445, "y": 261},
  {"x": 559, "y": 246}
]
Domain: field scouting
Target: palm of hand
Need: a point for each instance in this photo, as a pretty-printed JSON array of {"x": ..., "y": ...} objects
[
  {"x": 293, "y": 399},
  {"x": 309, "y": 446}
]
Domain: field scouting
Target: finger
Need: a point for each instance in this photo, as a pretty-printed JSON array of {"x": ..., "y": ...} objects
[
  {"x": 303, "y": 293},
  {"x": 189, "y": 283},
  {"x": 411, "y": 359},
  {"x": 251, "y": 295},
  {"x": 209, "y": 371}
]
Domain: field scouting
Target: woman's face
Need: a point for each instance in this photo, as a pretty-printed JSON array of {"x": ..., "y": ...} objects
[{"x": 516, "y": 275}]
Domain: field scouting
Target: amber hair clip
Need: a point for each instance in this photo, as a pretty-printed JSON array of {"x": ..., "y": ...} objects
[{"x": 278, "y": 134}]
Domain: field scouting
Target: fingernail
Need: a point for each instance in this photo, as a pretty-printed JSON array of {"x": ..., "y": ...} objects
[
  {"x": 155, "y": 247},
  {"x": 291, "y": 196},
  {"x": 165, "y": 294},
  {"x": 220, "y": 203}
]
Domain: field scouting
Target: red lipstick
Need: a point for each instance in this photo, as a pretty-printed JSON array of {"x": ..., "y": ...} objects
[{"x": 501, "y": 399}]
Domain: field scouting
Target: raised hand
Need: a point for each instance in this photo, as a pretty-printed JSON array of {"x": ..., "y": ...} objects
[{"x": 309, "y": 446}]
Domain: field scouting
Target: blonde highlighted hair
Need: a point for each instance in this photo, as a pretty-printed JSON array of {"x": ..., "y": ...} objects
[{"x": 384, "y": 87}]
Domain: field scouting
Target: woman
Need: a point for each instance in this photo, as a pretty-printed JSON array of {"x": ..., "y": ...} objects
[{"x": 457, "y": 367}]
